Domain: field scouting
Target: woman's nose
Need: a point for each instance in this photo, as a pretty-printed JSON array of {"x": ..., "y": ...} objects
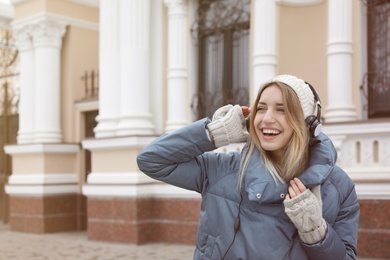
[{"x": 269, "y": 116}]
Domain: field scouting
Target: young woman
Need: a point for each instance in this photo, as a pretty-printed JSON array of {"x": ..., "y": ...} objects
[{"x": 282, "y": 197}]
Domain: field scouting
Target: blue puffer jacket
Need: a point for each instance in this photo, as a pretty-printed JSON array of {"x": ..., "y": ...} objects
[{"x": 182, "y": 158}]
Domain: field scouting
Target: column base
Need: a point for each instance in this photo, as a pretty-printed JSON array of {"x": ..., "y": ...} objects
[
  {"x": 143, "y": 220},
  {"x": 47, "y": 214},
  {"x": 125, "y": 205},
  {"x": 43, "y": 188},
  {"x": 135, "y": 125}
]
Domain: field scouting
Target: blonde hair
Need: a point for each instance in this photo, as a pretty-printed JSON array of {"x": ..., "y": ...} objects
[{"x": 296, "y": 157}]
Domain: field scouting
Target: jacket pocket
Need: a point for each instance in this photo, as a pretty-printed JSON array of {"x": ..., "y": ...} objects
[{"x": 206, "y": 244}]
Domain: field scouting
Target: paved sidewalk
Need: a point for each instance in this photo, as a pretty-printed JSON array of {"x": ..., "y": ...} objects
[{"x": 76, "y": 246}]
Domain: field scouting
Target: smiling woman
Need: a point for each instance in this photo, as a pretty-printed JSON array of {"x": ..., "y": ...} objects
[{"x": 273, "y": 190}]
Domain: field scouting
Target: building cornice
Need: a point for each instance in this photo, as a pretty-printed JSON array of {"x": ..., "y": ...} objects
[
  {"x": 91, "y": 3},
  {"x": 67, "y": 20}
]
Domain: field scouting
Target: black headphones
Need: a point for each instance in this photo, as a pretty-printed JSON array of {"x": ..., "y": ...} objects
[{"x": 313, "y": 122}]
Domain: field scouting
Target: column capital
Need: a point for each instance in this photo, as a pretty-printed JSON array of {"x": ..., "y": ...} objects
[
  {"x": 22, "y": 36},
  {"x": 176, "y": 6},
  {"x": 48, "y": 33}
]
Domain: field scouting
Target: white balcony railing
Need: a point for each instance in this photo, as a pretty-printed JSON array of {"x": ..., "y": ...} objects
[{"x": 364, "y": 153}]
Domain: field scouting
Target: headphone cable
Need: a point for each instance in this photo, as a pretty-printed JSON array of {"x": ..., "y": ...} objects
[{"x": 236, "y": 227}]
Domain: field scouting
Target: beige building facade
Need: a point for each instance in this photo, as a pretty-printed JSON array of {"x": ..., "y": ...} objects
[{"x": 100, "y": 79}]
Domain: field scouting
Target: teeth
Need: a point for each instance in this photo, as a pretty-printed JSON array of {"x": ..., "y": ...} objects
[{"x": 271, "y": 131}]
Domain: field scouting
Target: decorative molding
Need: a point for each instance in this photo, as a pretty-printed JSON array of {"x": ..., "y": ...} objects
[
  {"x": 369, "y": 176},
  {"x": 15, "y": 2},
  {"x": 40, "y": 190},
  {"x": 23, "y": 39},
  {"x": 373, "y": 191},
  {"x": 100, "y": 144},
  {"x": 176, "y": 6},
  {"x": 75, "y": 22},
  {"x": 43, "y": 178},
  {"x": 41, "y": 148},
  {"x": 48, "y": 33},
  {"x": 66, "y": 20},
  {"x": 119, "y": 178},
  {"x": 160, "y": 190},
  {"x": 357, "y": 128},
  {"x": 91, "y": 3},
  {"x": 340, "y": 47},
  {"x": 87, "y": 105},
  {"x": 299, "y": 2}
]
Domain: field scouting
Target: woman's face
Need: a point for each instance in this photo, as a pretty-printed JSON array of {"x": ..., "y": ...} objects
[{"x": 272, "y": 128}]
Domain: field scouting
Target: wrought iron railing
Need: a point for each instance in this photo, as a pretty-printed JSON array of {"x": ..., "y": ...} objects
[{"x": 91, "y": 84}]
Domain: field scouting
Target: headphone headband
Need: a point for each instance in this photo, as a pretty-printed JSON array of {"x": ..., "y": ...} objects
[{"x": 314, "y": 122}]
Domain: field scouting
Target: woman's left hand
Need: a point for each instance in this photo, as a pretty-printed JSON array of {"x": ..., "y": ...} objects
[
  {"x": 296, "y": 187},
  {"x": 304, "y": 209}
]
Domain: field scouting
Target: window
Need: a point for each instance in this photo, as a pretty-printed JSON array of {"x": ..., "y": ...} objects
[
  {"x": 378, "y": 57},
  {"x": 221, "y": 32}
]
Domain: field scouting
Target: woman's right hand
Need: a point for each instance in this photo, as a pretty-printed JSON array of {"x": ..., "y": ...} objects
[
  {"x": 245, "y": 111},
  {"x": 228, "y": 126}
]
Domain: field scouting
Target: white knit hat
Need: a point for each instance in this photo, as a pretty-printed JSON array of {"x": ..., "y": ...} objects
[{"x": 303, "y": 91}]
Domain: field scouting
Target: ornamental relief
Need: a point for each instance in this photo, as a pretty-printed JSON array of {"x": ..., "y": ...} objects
[
  {"x": 48, "y": 33},
  {"x": 41, "y": 33}
]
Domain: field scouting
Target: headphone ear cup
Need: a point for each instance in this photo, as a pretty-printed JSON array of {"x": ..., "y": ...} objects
[{"x": 314, "y": 126}]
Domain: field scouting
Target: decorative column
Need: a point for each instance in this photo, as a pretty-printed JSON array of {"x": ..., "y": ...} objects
[
  {"x": 264, "y": 46},
  {"x": 124, "y": 116},
  {"x": 134, "y": 61},
  {"x": 26, "y": 103},
  {"x": 177, "y": 64},
  {"x": 340, "y": 106},
  {"x": 108, "y": 69},
  {"x": 47, "y": 39},
  {"x": 44, "y": 170}
]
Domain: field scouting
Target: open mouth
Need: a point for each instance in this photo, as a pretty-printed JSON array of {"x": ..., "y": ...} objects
[{"x": 270, "y": 132}]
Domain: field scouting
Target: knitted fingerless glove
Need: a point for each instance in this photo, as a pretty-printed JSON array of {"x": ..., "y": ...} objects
[
  {"x": 305, "y": 212},
  {"x": 228, "y": 126}
]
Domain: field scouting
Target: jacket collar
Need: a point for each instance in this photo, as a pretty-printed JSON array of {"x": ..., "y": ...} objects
[{"x": 323, "y": 157}]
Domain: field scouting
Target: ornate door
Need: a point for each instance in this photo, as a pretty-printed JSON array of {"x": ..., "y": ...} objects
[
  {"x": 377, "y": 79},
  {"x": 221, "y": 34}
]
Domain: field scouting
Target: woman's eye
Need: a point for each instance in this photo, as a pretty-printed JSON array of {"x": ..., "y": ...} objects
[{"x": 260, "y": 108}]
